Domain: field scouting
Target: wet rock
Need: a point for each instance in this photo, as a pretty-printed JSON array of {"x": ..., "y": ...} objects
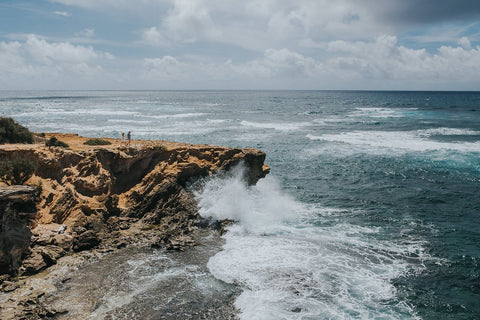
[
  {"x": 86, "y": 240},
  {"x": 51, "y": 254},
  {"x": 9, "y": 286},
  {"x": 119, "y": 243},
  {"x": 64, "y": 241},
  {"x": 40, "y": 258},
  {"x": 34, "y": 264},
  {"x": 31, "y": 308},
  {"x": 180, "y": 243}
]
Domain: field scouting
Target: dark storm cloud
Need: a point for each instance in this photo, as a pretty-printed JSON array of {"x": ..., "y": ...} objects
[{"x": 427, "y": 11}]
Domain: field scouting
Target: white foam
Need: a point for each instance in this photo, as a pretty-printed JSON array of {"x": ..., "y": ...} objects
[
  {"x": 118, "y": 299},
  {"x": 447, "y": 132},
  {"x": 130, "y": 121},
  {"x": 403, "y": 141},
  {"x": 380, "y": 112},
  {"x": 279, "y": 126},
  {"x": 291, "y": 268},
  {"x": 260, "y": 209},
  {"x": 179, "y": 115}
]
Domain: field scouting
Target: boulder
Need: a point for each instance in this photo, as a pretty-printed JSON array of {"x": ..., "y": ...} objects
[
  {"x": 34, "y": 263},
  {"x": 86, "y": 240}
]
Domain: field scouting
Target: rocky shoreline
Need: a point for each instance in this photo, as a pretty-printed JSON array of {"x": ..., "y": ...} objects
[{"x": 103, "y": 197}]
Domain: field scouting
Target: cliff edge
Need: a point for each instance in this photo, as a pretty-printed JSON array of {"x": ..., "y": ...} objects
[{"x": 107, "y": 196}]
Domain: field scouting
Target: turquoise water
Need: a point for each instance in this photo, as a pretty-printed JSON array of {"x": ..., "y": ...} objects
[{"x": 371, "y": 210}]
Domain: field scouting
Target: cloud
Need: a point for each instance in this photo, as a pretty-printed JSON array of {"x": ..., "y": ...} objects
[
  {"x": 465, "y": 43},
  {"x": 384, "y": 59},
  {"x": 381, "y": 63},
  {"x": 189, "y": 20},
  {"x": 258, "y": 25},
  {"x": 41, "y": 62},
  {"x": 49, "y": 53},
  {"x": 279, "y": 63},
  {"x": 377, "y": 64},
  {"x": 62, "y": 13},
  {"x": 166, "y": 67},
  {"x": 152, "y": 36}
]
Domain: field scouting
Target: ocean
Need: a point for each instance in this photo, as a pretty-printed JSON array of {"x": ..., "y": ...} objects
[{"x": 371, "y": 209}]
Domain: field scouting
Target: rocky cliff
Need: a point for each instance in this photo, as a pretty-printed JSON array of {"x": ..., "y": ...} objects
[
  {"x": 108, "y": 196},
  {"x": 17, "y": 211}
]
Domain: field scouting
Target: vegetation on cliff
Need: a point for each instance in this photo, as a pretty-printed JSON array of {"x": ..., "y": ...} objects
[
  {"x": 12, "y": 132},
  {"x": 16, "y": 171},
  {"x": 97, "y": 142},
  {"x": 54, "y": 142}
]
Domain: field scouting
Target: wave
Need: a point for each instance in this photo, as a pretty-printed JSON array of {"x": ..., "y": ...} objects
[
  {"x": 381, "y": 112},
  {"x": 403, "y": 141},
  {"x": 279, "y": 126},
  {"x": 291, "y": 266},
  {"x": 179, "y": 115}
]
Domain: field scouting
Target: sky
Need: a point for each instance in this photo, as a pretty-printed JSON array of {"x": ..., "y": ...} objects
[{"x": 231, "y": 44}]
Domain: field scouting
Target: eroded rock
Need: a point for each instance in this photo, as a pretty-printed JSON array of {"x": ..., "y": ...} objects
[{"x": 103, "y": 196}]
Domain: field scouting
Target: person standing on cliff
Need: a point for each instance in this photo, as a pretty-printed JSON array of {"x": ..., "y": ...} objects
[
  {"x": 123, "y": 139},
  {"x": 129, "y": 137}
]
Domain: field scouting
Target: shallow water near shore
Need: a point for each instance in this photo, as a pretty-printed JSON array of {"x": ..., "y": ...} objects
[
  {"x": 371, "y": 209},
  {"x": 139, "y": 282}
]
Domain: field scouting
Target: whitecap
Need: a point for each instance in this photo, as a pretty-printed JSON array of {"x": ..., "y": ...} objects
[
  {"x": 399, "y": 141},
  {"x": 279, "y": 126}
]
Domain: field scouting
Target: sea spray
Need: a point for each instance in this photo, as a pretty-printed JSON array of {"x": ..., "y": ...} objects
[
  {"x": 290, "y": 268},
  {"x": 261, "y": 209}
]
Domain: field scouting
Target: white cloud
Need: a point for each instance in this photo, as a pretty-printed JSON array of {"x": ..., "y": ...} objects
[
  {"x": 152, "y": 36},
  {"x": 189, "y": 20},
  {"x": 41, "y": 63},
  {"x": 279, "y": 63},
  {"x": 384, "y": 59},
  {"x": 62, "y": 13},
  {"x": 465, "y": 43},
  {"x": 380, "y": 63},
  {"x": 355, "y": 65},
  {"x": 49, "y": 53},
  {"x": 166, "y": 67}
]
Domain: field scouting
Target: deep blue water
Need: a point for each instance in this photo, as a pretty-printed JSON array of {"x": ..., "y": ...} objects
[{"x": 371, "y": 210}]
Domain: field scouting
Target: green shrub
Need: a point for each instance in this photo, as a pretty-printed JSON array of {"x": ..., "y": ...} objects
[
  {"x": 97, "y": 142},
  {"x": 54, "y": 142},
  {"x": 12, "y": 132},
  {"x": 159, "y": 147},
  {"x": 16, "y": 171}
]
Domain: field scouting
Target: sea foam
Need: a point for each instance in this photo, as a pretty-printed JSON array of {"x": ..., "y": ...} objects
[
  {"x": 289, "y": 267},
  {"x": 400, "y": 141}
]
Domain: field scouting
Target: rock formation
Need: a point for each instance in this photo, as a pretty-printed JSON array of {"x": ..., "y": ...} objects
[
  {"x": 17, "y": 209},
  {"x": 107, "y": 196}
]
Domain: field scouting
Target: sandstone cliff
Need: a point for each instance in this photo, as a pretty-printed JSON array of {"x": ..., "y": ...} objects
[
  {"x": 112, "y": 195},
  {"x": 17, "y": 210}
]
